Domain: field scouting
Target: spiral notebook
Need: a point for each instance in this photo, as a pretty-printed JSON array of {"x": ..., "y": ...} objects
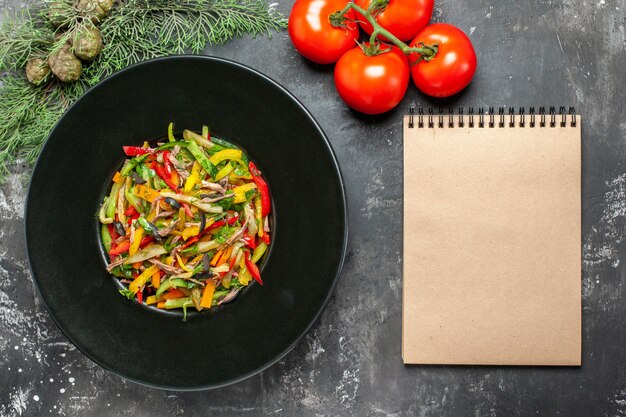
[{"x": 492, "y": 238}]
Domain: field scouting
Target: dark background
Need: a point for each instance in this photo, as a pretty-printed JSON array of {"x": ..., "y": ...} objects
[{"x": 531, "y": 53}]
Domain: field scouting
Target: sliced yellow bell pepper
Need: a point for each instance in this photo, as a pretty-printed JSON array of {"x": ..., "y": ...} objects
[
  {"x": 193, "y": 178},
  {"x": 258, "y": 213},
  {"x": 175, "y": 178},
  {"x": 141, "y": 280},
  {"x": 232, "y": 154},
  {"x": 156, "y": 279},
  {"x": 181, "y": 219},
  {"x": 226, "y": 282},
  {"x": 207, "y": 295},
  {"x": 190, "y": 232},
  {"x": 151, "y": 215},
  {"x": 151, "y": 300},
  {"x": 234, "y": 178},
  {"x": 118, "y": 178},
  {"x": 146, "y": 193},
  {"x": 228, "y": 168},
  {"x": 209, "y": 223},
  {"x": 240, "y": 192},
  {"x": 244, "y": 277},
  {"x": 134, "y": 245},
  {"x": 182, "y": 264}
]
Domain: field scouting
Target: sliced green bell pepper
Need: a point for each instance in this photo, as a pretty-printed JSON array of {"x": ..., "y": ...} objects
[
  {"x": 202, "y": 159},
  {"x": 106, "y": 237},
  {"x": 171, "y": 283}
]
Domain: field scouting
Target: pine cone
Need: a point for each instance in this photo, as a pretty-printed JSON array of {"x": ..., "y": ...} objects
[
  {"x": 96, "y": 10},
  {"x": 59, "y": 13},
  {"x": 37, "y": 70},
  {"x": 65, "y": 65},
  {"x": 87, "y": 43}
]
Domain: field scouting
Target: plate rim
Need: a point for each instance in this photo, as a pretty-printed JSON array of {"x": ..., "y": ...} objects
[{"x": 345, "y": 236}]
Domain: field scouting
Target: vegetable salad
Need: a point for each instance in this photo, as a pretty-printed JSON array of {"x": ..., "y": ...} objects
[{"x": 186, "y": 222}]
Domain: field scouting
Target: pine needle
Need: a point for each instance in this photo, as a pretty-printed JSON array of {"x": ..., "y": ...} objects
[{"x": 135, "y": 30}]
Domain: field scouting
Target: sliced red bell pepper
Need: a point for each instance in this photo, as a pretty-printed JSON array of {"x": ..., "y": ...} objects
[
  {"x": 223, "y": 222},
  {"x": 136, "y": 150},
  {"x": 261, "y": 185},
  {"x": 121, "y": 248},
  {"x": 133, "y": 217},
  {"x": 186, "y": 207},
  {"x": 140, "y": 296},
  {"x": 266, "y": 237},
  {"x": 249, "y": 241},
  {"x": 146, "y": 241},
  {"x": 160, "y": 170},
  {"x": 131, "y": 211},
  {"x": 216, "y": 225},
  {"x": 112, "y": 231},
  {"x": 253, "y": 269},
  {"x": 167, "y": 163},
  {"x": 189, "y": 243},
  {"x": 230, "y": 266}
]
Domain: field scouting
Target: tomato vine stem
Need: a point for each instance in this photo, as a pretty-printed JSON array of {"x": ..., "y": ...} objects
[{"x": 338, "y": 19}]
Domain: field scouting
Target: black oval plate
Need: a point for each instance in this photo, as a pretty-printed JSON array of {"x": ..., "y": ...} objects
[{"x": 310, "y": 231}]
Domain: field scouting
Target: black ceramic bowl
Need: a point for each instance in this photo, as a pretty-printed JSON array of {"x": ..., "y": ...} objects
[{"x": 73, "y": 173}]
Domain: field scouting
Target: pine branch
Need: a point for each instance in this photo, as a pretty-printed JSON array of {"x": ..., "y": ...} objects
[
  {"x": 22, "y": 36},
  {"x": 143, "y": 29},
  {"x": 134, "y": 30}
]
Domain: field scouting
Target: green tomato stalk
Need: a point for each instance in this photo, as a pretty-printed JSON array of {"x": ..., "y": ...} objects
[{"x": 338, "y": 19}]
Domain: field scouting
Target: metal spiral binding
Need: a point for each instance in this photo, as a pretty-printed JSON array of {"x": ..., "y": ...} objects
[
  {"x": 515, "y": 118},
  {"x": 572, "y": 113},
  {"x": 552, "y": 116}
]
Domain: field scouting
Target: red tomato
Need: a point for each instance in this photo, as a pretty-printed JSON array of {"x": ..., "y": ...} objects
[
  {"x": 372, "y": 84},
  {"x": 403, "y": 18},
  {"x": 313, "y": 35},
  {"x": 452, "y": 69}
]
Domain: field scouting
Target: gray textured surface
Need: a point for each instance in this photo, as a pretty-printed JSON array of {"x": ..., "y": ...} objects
[{"x": 530, "y": 53}]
